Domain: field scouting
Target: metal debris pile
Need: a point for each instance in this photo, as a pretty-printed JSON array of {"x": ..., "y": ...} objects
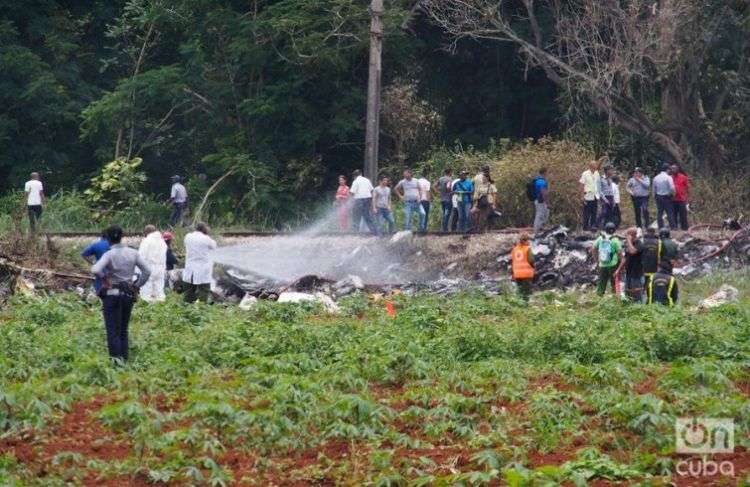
[{"x": 448, "y": 265}]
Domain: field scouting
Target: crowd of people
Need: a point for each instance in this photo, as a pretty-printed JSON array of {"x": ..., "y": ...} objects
[
  {"x": 601, "y": 196},
  {"x": 643, "y": 263},
  {"x": 123, "y": 274},
  {"x": 466, "y": 204}
]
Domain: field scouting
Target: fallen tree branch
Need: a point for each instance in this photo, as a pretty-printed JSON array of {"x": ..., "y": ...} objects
[
  {"x": 197, "y": 214},
  {"x": 22, "y": 269}
]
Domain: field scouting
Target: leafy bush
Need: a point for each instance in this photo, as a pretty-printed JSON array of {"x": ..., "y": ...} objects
[{"x": 119, "y": 186}]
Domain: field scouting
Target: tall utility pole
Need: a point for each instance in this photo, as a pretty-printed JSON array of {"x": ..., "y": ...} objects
[{"x": 373, "y": 91}]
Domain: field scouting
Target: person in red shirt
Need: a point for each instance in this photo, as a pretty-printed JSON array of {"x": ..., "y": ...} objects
[{"x": 680, "y": 198}]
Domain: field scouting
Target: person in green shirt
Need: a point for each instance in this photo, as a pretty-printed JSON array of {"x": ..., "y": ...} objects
[{"x": 607, "y": 250}]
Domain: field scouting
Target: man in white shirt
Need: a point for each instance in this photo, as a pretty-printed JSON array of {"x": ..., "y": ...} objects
[
  {"x": 153, "y": 250},
  {"x": 361, "y": 190},
  {"x": 425, "y": 198},
  {"x": 34, "y": 199},
  {"x": 589, "y": 184},
  {"x": 198, "y": 264},
  {"x": 664, "y": 190},
  {"x": 178, "y": 198}
]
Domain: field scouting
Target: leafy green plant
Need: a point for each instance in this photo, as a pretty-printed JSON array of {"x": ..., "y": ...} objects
[{"x": 118, "y": 186}]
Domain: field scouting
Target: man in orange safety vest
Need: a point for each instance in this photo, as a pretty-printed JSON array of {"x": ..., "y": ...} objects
[{"x": 522, "y": 265}]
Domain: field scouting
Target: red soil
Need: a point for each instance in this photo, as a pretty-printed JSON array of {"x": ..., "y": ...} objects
[
  {"x": 744, "y": 387},
  {"x": 551, "y": 380},
  {"x": 646, "y": 386},
  {"x": 537, "y": 459},
  {"x": 78, "y": 432}
]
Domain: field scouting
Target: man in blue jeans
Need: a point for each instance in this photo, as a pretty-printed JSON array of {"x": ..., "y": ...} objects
[
  {"x": 464, "y": 188},
  {"x": 408, "y": 191},
  {"x": 664, "y": 191},
  {"x": 443, "y": 186},
  {"x": 361, "y": 190},
  {"x": 381, "y": 203}
]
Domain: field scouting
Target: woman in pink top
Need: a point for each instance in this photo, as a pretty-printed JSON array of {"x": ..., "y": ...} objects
[{"x": 342, "y": 197}]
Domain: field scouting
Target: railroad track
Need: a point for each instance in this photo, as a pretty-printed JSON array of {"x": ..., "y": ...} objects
[{"x": 241, "y": 234}]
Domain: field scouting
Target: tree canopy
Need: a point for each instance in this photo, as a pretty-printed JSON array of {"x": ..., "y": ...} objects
[{"x": 276, "y": 88}]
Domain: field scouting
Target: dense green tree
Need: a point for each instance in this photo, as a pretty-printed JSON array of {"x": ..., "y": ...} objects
[{"x": 273, "y": 92}]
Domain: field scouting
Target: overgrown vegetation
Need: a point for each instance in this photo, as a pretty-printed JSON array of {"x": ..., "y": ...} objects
[{"x": 468, "y": 390}]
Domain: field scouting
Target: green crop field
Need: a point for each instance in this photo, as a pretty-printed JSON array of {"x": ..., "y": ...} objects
[{"x": 469, "y": 390}]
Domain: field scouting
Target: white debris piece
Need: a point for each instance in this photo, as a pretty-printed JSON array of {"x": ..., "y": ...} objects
[
  {"x": 328, "y": 303},
  {"x": 400, "y": 236},
  {"x": 579, "y": 255},
  {"x": 356, "y": 281},
  {"x": 248, "y": 302},
  {"x": 725, "y": 294},
  {"x": 541, "y": 249},
  {"x": 292, "y": 297}
]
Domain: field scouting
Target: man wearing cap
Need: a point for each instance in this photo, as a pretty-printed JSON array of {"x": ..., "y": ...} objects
[
  {"x": 639, "y": 187},
  {"x": 178, "y": 198},
  {"x": 484, "y": 199},
  {"x": 172, "y": 261}
]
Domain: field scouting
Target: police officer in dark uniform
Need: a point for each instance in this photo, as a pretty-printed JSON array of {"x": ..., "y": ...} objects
[{"x": 118, "y": 293}]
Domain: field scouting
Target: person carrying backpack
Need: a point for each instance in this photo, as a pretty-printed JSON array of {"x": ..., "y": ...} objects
[
  {"x": 522, "y": 266},
  {"x": 607, "y": 251},
  {"x": 662, "y": 288},
  {"x": 652, "y": 252},
  {"x": 464, "y": 189},
  {"x": 537, "y": 191}
]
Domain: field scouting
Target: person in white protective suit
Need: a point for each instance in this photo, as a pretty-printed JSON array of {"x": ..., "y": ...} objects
[{"x": 153, "y": 250}]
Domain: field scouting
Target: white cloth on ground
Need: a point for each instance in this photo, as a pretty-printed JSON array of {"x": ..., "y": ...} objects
[{"x": 153, "y": 250}]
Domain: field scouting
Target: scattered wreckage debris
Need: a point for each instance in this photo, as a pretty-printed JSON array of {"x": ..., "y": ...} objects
[
  {"x": 15, "y": 278},
  {"x": 444, "y": 266},
  {"x": 726, "y": 294},
  {"x": 562, "y": 260}
]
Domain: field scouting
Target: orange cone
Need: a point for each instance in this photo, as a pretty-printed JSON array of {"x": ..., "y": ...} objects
[{"x": 390, "y": 309}]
